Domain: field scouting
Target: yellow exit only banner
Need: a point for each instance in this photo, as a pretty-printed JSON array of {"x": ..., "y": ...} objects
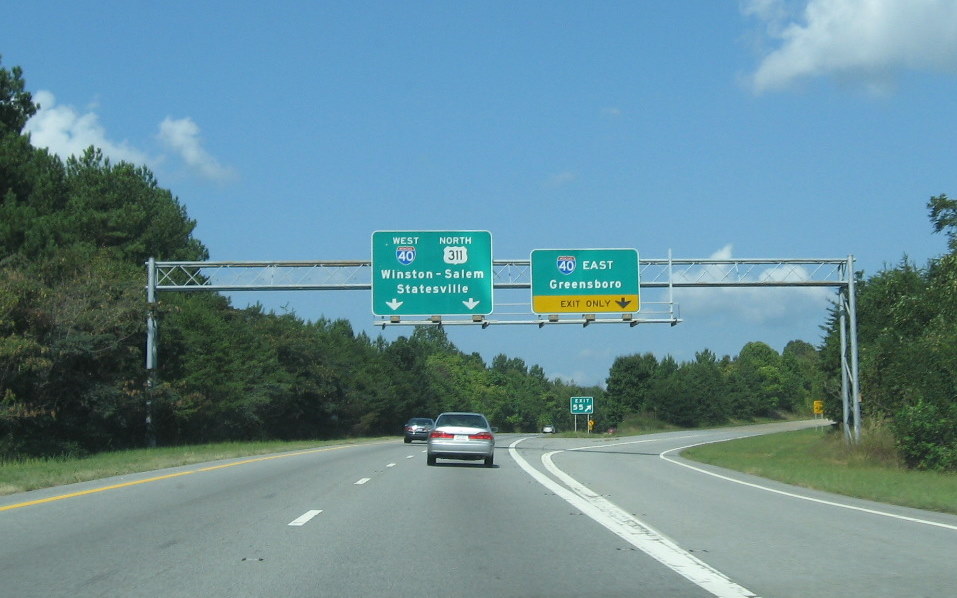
[{"x": 584, "y": 303}]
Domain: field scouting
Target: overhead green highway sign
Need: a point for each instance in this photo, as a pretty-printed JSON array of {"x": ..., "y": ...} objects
[
  {"x": 431, "y": 273},
  {"x": 584, "y": 280}
]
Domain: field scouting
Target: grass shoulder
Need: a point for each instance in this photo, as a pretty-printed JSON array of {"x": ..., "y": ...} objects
[{"x": 820, "y": 459}]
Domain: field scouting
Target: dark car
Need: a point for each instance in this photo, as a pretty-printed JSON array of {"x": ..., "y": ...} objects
[{"x": 418, "y": 428}]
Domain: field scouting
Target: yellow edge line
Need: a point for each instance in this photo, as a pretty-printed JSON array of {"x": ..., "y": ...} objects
[{"x": 173, "y": 475}]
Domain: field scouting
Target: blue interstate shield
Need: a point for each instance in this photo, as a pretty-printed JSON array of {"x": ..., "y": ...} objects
[
  {"x": 405, "y": 255},
  {"x": 566, "y": 264}
]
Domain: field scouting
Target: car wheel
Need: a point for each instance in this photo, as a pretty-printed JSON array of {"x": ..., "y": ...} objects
[
  {"x": 489, "y": 461},
  {"x": 408, "y": 440},
  {"x": 430, "y": 459}
]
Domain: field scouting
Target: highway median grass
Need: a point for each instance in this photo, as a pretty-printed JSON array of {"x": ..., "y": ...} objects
[
  {"x": 821, "y": 459},
  {"x": 33, "y": 474}
]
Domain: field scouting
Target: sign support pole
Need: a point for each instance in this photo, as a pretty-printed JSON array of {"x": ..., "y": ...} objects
[{"x": 150, "y": 351}]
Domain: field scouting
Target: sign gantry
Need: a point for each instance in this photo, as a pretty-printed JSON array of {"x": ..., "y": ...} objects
[
  {"x": 511, "y": 275},
  {"x": 345, "y": 275}
]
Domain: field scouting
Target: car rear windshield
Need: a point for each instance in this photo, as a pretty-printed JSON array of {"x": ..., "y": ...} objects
[
  {"x": 421, "y": 421},
  {"x": 463, "y": 420}
]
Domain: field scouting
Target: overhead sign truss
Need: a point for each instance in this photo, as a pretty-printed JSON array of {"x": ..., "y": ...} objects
[
  {"x": 663, "y": 275},
  {"x": 507, "y": 274}
]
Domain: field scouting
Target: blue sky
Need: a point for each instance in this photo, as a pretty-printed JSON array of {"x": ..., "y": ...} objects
[{"x": 752, "y": 129}]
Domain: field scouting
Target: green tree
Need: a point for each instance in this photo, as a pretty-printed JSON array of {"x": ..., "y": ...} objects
[
  {"x": 121, "y": 207},
  {"x": 463, "y": 383},
  {"x": 16, "y": 104},
  {"x": 907, "y": 337},
  {"x": 892, "y": 313},
  {"x": 759, "y": 381},
  {"x": 31, "y": 180},
  {"x": 676, "y": 402},
  {"x": 943, "y": 217},
  {"x": 522, "y": 392},
  {"x": 707, "y": 385},
  {"x": 71, "y": 370},
  {"x": 32, "y": 196},
  {"x": 629, "y": 383},
  {"x": 803, "y": 381}
]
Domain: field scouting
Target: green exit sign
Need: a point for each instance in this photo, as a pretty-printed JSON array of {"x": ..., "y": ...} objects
[
  {"x": 582, "y": 405},
  {"x": 431, "y": 273}
]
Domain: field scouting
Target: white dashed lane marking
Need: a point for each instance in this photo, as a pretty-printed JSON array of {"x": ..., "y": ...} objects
[{"x": 304, "y": 518}]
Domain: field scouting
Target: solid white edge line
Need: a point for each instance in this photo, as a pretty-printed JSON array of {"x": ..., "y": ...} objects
[
  {"x": 598, "y": 448},
  {"x": 664, "y": 455},
  {"x": 632, "y": 530},
  {"x": 304, "y": 518}
]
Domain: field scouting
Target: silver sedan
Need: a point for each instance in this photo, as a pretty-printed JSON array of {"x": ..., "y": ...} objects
[{"x": 461, "y": 435}]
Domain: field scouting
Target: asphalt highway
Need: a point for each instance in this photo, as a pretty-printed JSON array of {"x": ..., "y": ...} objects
[{"x": 555, "y": 517}]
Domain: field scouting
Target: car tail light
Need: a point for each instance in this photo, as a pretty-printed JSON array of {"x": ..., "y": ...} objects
[
  {"x": 437, "y": 434},
  {"x": 481, "y": 436}
]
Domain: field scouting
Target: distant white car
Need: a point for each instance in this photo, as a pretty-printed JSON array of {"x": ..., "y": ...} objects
[{"x": 548, "y": 430}]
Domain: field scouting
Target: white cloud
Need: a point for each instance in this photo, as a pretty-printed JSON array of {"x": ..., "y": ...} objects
[
  {"x": 751, "y": 305},
  {"x": 182, "y": 136},
  {"x": 861, "y": 41},
  {"x": 578, "y": 377},
  {"x": 66, "y": 132},
  {"x": 772, "y": 11}
]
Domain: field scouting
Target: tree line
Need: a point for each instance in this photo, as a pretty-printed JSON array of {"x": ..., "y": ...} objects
[
  {"x": 74, "y": 236},
  {"x": 907, "y": 345},
  {"x": 758, "y": 382},
  {"x": 907, "y": 338}
]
